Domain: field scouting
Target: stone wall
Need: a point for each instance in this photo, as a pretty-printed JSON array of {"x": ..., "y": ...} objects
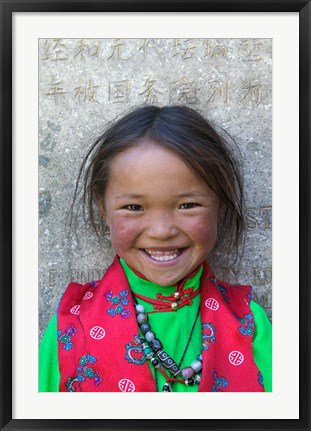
[{"x": 83, "y": 84}]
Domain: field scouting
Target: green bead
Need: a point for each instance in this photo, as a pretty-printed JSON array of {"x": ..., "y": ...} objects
[{"x": 147, "y": 351}]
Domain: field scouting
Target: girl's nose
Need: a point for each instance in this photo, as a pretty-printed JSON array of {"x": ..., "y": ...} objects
[{"x": 162, "y": 227}]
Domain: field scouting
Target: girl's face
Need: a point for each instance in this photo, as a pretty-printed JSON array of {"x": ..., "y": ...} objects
[{"x": 162, "y": 217}]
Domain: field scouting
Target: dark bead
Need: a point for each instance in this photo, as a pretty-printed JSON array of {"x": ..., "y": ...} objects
[
  {"x": 166, "y": 388},
  {"x": 168, "y": 362},
  {"x": 155, "y": 362},
  {"x": 145, "y": 327},
  {"x": 156, "y": 345},
  {"x": 190, "y": 382}
]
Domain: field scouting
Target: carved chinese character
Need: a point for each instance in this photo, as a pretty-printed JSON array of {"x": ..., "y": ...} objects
[
  {"x": 184, "y": 48},
  {"x": 151, "y": 93},
  {"x": 119, "y": 91},
  {"x": 251, "y": 50},
  {"x": 86, "y": 93},
  {"x": 183, "y": 91},
  {"x": 149, "y": 47},
  {"x": 117, "y": 48},
  {"x": 219, "y": 89},
  {"x": 85, "y": 50},
  {"x": 214, "y": 49},
  {"x": 56, "y": 90},
  {"x": 252, "y": 91},
  {"x": 54, "y": 50}
]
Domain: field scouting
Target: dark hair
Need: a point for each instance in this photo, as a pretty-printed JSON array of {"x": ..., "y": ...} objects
[{"x": 188, "y": 134}]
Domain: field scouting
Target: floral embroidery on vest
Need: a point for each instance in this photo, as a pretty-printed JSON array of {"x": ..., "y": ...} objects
[
  {"x": 119, "y": 301},
  {"x": 65, "y": 338},
  {"x": 84, "y": 371},
  {"x": 247, "y": 327},
  {"x": 219, "y": 382}
]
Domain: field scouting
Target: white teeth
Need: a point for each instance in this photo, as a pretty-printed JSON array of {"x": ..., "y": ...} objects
[
  {"x": 162, "y": 256},
  {"x": 161, "y": 253}
]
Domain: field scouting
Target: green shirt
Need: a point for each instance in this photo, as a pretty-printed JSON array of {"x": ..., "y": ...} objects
[{"x": 172, "y": 328}]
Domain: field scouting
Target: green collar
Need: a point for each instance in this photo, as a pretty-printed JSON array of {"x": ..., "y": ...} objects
[{"x": 147, "y": 288}]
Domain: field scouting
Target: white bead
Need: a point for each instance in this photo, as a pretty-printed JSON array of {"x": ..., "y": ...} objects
[
  {"x": 139, "y": 309},
  {"x": 142, "y": 318},
  {"x": 197, "y": 378},
  {"x": 149, "y": 336},
  {"x": 196, "y": 366},
  {"x": 187, "y": 372}
]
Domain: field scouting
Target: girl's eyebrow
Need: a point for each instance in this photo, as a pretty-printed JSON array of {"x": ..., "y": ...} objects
[
  {"x": 191, "y": 195},
  {"x": 129, "y": 196},
  {"x": 179, "y": 195}
]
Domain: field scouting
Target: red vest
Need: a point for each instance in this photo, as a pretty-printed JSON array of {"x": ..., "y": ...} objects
[{"x": 93, "y": 339}]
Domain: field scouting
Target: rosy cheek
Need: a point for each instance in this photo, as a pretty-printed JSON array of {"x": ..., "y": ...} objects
[
  {"x": 122, "y": 233},
  {"x": 203, "y": 230}
]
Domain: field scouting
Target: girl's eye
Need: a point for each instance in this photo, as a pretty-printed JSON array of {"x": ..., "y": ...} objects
[
  {"x": 188, "y": 206},
  {"x": 134, "y": 207}
]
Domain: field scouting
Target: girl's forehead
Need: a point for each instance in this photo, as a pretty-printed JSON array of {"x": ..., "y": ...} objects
[
  {"x": 145, "y": 149},
  {"x": 149, "y": 168},
  {"x": 144, "y": 146},
  {"x": 147, "y": 155}
]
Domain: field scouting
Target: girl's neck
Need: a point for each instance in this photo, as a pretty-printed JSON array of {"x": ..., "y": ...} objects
[{"x": 160, "y": 296}]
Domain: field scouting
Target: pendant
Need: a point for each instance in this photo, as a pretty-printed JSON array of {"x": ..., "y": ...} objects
[{"x": 167, "y": 388}]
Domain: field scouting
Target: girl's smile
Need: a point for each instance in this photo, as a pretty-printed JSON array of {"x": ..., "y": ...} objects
[
  {"x": 162, "y": 217},
  {"x": 160, "y": 255}
]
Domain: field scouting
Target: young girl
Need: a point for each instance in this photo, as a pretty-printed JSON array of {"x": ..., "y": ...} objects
[{"x": 168, "y": 189}]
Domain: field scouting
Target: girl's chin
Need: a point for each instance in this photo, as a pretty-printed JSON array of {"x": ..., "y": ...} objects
[
  {"x": 162, "y": 281},
  {"x": 165, "y": 277}
]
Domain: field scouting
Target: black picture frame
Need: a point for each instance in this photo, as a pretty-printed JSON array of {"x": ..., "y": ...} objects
[{"x": 8, "y": 7}]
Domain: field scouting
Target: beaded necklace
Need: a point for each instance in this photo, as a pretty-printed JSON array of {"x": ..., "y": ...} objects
[
  {"x": 162, "y": 361},
  {"x": 181, "y": 297}
]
